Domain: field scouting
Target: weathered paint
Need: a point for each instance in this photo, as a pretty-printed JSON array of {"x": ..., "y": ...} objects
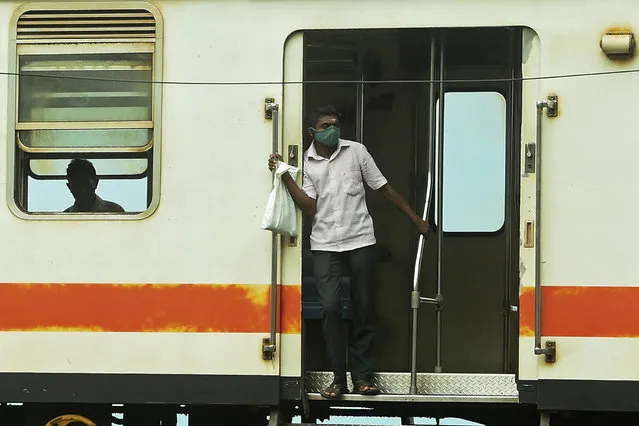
[
  {"x": 186, "y": 308},
  {"x": 575, "y": 311}
]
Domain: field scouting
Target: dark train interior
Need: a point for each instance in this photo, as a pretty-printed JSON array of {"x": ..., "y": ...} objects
[{"x": 381, "y": 88}]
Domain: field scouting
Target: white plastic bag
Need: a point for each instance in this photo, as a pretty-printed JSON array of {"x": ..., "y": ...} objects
[{"x": 280, "y": 215}]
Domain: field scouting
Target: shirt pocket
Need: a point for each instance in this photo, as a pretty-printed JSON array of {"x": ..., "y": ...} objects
[{"x": 352, "y": 182}]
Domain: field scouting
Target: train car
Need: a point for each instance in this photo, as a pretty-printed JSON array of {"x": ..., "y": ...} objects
[{"x": 508, "y": 125}]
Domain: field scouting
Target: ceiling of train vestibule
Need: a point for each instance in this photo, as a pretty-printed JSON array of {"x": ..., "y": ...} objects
[{"x": 347, "y": 50}]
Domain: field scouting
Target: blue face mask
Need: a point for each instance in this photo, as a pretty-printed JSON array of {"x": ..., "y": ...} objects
[{"x": 327, "y": 137}]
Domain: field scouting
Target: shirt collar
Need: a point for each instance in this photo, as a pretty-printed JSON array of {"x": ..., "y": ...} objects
[{"x": 341, "y": 143}]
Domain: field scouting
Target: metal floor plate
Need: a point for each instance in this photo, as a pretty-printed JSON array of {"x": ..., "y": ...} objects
[{"x": 435, "y": 387}]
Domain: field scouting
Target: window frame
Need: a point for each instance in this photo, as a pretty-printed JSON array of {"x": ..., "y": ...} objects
[
  {"x": 503, "y": 88},
  {"x": 466, "y": 88},
  {"x": 86, "y": 46}
]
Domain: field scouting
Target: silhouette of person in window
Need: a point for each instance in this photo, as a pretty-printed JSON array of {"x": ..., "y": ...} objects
[{"x": 82, "y": 182}]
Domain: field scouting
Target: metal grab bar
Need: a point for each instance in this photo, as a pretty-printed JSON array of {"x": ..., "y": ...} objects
[
  {"x": 416, "y": 299},
  {"x": 269, "y": 347},
  {"x": 551, "y": 105},
  {"x": 440, "y": 197}
]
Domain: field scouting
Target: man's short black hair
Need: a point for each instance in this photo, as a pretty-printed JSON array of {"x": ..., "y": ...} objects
[
  {"x": 81, "y": 168},
  {"x": 322, "y": 111}
]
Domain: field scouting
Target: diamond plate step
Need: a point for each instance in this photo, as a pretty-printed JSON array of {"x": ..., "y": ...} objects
[
  {"x": 440, "y": 399},
  {"x": 430, "y": 386}
]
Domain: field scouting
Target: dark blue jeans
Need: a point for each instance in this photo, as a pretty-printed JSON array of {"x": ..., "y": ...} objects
[{"x": 357, "y": 344}]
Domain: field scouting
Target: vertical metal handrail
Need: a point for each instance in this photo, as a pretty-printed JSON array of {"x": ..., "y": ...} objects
[
  {"x": 272, "y": 109},
  {"x": 440, "y": 197},
  {"x": 540, "y": 113},
  {"x": 551, "y": 104},
  {"x": 415, "y": 298}
]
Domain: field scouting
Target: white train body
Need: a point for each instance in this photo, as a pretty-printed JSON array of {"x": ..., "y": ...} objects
[{"x": 171, "y": 302}]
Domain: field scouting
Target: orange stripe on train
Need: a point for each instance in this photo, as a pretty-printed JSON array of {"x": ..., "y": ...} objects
[
  {"x": 146, "y": 308},
  {"x": 573, "y": 311}
]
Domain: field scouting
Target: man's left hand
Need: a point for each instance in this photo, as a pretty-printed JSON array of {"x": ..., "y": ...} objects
[{"x": 423, "y": 227}]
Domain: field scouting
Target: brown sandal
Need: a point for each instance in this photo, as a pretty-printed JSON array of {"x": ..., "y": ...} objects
[
  {"x": 335, "y": 391},
  {"x": 363, "y": 387}
]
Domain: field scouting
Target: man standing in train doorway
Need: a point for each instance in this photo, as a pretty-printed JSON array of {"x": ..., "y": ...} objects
[{"x": 333, "y": 195}]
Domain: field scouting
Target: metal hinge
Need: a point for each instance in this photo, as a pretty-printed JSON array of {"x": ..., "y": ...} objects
[
  {"x": 551, "y": 104},
  {"x": 292, "y": 155},
  {"x": 549, "y": 352},
  {"x": 531, "y": 154},
  {"x": 269, "y": 107},
  {"x": 293, "y": 160},
  {"x": 268, "y": 349}
]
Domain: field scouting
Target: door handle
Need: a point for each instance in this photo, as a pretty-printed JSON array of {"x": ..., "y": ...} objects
[
  {"x": 271, "y": 112},
  {"x": 549, "y": 351}
]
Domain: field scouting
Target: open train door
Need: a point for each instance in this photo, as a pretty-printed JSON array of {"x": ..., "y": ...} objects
[{"x": 395, "y": 90}]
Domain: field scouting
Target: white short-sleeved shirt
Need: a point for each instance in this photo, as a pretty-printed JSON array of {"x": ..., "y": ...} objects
[{"x": 342, "y": 221}]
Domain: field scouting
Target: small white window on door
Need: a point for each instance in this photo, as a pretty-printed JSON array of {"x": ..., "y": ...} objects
[
  {"x": 86, "y": 91},
  {"x": 474, "y": 168}
]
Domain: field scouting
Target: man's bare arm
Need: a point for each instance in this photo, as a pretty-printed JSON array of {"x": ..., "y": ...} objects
[
  {"x": 395, "y": 197},
  {"x": 306, "y": 204}
]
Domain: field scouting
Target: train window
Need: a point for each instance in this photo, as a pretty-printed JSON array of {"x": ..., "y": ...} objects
[
  {"x": 78, "y": 92},
  {"x": 474, "y": 162},
  {"x": 124, "y": 181},
  {"x": 85, "y": 94}
]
